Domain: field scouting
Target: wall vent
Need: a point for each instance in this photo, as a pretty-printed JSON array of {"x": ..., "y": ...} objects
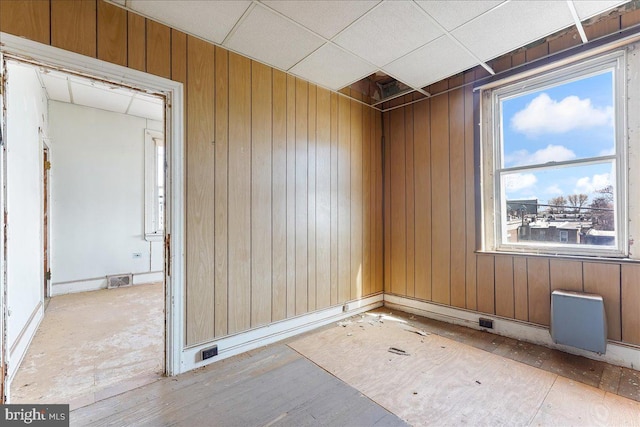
[
  {"x": 119, "y": 281},
  {"x": 578, "y": 320}
]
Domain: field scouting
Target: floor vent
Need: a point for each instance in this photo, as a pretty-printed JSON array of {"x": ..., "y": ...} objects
[{"x": 119, "y": 281}]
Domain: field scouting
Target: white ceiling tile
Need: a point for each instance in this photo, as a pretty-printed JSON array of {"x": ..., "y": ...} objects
[
  {"x": 332, "y": 67},
  {"x": 512, "y": 25},
  {"x": 324, "y": 17},
  {"x": 452, "y": 14},
  {"x": 589, "y": 8},
  {"x": 439, "y": 59},
  {"x": 270, "y": 38},
  {"x": 91, "y": 96},
  {"x": 56, "y": 86},
  {"x": 141, "y": 107},
  {"x": 211, "y": 20},
  {"x": 388, "y": 32}
]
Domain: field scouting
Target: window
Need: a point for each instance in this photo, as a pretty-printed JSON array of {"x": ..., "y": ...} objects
[
  {"x": 154, "y": 185},
  {"x": 554, "y": 159}
]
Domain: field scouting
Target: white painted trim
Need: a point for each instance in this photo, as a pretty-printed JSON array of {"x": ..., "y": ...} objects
[
  {"x": 37, "y": 53},
  {"x": 146, "y": 278},
  {"x": 19, "y": 349},
  {"x": 245, "y": 341},
  {"x": 77, "y": 286},
  {"x": 616, "y": 354},
  {"x": 88, "y": 285}
]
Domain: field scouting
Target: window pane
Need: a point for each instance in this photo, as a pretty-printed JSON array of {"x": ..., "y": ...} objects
[
  {"x": 567, "y": 205},
  {"x": 567, "y": 121}
]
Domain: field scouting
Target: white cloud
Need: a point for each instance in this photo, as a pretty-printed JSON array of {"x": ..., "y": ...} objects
[
  {"x": 554, "y": 189},
  {"x": 608, "y": 152},
  {"x": 589, "y": 184},
  {"x": 519, "y": 181},
  {"x": 545, "y": 115},
  {"x": 552, "y": 153}
]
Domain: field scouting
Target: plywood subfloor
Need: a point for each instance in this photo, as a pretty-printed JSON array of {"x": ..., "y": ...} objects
[
  {"x": 92, "y": 345},
  {"x": 468, "y": 380},
  {"x": 272, "y": 386}
]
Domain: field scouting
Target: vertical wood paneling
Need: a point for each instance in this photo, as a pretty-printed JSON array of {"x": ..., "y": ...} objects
[
  {"x": 112, "y": 33},
  {"x": 28, "y": 19},
  {"x": 520, "y": 289},
  {"x": 537, "y": 52},
  {"x": 323, "y": 198},
  {"x": 388, "y": 201},
  {"x": 379, "y": 204},
  {"x": 311, "y": 201},
  {"x": 355, "y": 209},
  {"x": 279, "y": 202},
  {"x": 368, "y": 232},
  {"x": 397, "y": 201},
  {"x": 504, "y": 286},
  {"x": 261, "y": 187},
  {"x": 410, "y": 198},
  {"x": 539, "y": 291},
  {"x": 458, "y": 197},
  {"x": 137, "y": 42},
  {"x": 566, "y": 275},
  {"x": 422, "y": 173},
  {"x": 470, "y": 192},
  {"x": 179, "y": 56},
  {"x": 239, "y": 198},
  {"x": 335, "y": 147},
  {"x": 440, "y": 190},
  {"x": 630, "y": 295},
  {"x": 604, "y": 280},
  {"x": 486, "y": 284},
  {"x": 301, "y": 216},
  {"x": 221, "y": 192},
  {"x": 73, "y": 26},
  {"x": 200, "y": 180},
  {"x": 158, "y": 49},
  {"x": 602, "y": 27},
  {"x": 344, "y": 199},
  {"x": 291, "y": 196}
]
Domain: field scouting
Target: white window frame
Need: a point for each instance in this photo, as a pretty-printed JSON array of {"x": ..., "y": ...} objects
[
  {"x": 624, "y": 62},
  {"x": 153, "y": 229}
]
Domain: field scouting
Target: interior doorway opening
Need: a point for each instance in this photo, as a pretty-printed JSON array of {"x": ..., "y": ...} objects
[{"x": 93, "y": 323}]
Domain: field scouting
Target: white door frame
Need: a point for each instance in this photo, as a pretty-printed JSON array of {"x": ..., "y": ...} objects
[{"x": 37, "y": 53}]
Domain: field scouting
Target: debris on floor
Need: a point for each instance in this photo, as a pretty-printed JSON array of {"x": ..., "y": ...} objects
[{"x": 398, "y": 351}]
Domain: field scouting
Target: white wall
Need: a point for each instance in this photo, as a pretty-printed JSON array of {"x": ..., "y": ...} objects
[
  {"x": 26, "y": 113},
  {"x": 97, "y": 198}
]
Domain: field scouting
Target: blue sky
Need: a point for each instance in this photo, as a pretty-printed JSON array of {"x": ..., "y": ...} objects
[{"x": 566, "y": 122}]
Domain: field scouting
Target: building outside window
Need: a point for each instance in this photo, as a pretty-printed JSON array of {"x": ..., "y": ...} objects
[{"x": 555, "y": 159}]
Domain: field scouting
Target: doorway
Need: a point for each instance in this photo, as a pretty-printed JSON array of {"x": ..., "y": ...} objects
[
  {"x": 96, "y": 137},
  {"x": 46, "y": 165},
  {"x": 44, "y": 56}
]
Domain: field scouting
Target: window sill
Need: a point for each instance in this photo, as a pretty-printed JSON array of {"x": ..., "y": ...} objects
[{"x": 595, "y": 258}]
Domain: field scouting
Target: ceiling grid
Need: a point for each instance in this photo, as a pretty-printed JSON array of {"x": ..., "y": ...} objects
[{"x": 337, "y": 43}]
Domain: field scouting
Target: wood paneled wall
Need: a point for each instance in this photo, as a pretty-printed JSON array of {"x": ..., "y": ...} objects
[
  {"x": 284, "y": 179},
  {"x": 430, "y": 214}
]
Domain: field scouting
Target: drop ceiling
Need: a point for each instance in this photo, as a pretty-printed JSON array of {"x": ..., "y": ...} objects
[
  {"x": 335, "y": 43},
  {"x": 83, "y": 91}
]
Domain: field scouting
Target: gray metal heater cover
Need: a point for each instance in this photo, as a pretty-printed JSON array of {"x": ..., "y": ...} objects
[{"x": 578, "y": 320}]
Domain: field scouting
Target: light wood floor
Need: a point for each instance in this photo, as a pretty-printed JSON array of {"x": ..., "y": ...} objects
[
  {"x": 93, "y": 345},
  {"x": 346, "y": 375}
]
